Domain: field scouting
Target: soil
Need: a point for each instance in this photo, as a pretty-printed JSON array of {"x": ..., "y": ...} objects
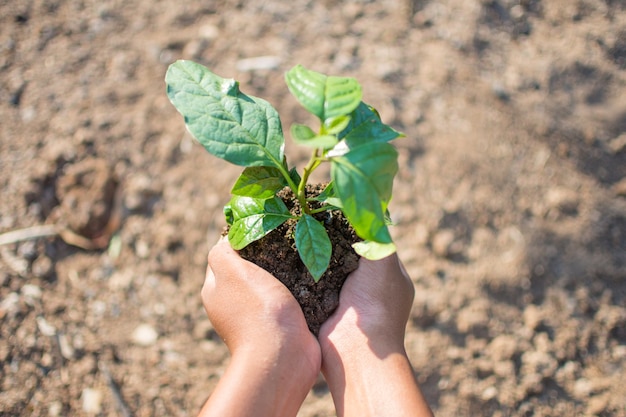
[
  {"x": 510, "y": 203},
  {"x": 277, "y": 253}
]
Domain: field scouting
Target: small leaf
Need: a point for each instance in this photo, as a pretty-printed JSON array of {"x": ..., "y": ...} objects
[
  {"x": 336, "y": 124},
  {"x": 240, "y": 129},
  {"x": 254, "y": 218},
  {"x": 326, "y": 97},
  {"x": 313, "y": 245},
  {"x": 259, "y": 182},
  {"x": 321, "y": 141},
  {"x": 228, "y": 214},
  {"x": 295, "y": 177},
  {"x": 365, "y": 127},
  {"x": 374, "y": 250},
  {"x": 301, "y": 133},
  {"x": 329, "y": 197}
]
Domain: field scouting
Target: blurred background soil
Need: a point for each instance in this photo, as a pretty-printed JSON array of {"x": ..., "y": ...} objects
[{"x": 510, "y": 204}]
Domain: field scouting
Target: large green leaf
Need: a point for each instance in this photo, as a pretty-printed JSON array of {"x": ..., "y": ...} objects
[
  {"x": 259, "y": 182},
  {"x": 241, "y": 129},
  {"x": 326, "y": 97},
  {"x": 365, "y": 127},
  {"x": 254, "y": 218},
  {"x": 313, "y": 245},
  {"x": 363, "y": 180}
]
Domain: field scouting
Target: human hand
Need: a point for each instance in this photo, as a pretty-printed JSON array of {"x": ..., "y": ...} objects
[
  {"x": 275, "y": 358},
  {"x": 374, "y": 305},
  {"x": 363, "y": 356}
]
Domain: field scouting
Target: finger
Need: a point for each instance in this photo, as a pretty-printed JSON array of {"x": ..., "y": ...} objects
[{"x": 209, "y": 283}]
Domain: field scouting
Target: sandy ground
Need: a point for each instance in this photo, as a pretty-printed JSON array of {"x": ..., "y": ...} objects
[{"x": 510, "y": 204}]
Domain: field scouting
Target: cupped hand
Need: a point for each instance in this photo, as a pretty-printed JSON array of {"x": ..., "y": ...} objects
[
  {"x": 374, "y": 306},
  {"x": 363, "y": 357},
  {"x": 254, "y": 312}
]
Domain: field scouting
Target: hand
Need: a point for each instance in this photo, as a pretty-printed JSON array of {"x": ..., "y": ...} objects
[
  {"x": 363, "y": 356},
  {"x": 374, "y": 305},
  {"x": 275, "y": 358}
]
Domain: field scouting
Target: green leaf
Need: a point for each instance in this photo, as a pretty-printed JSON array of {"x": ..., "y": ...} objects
[
  {"x": 301, "y": 133},
  {"x": 324, "y": 96},
  {"x": 240, "y": 129},
  {"x": 336, "y": 124},
  {"x": 363, "y": 181},
  {"x": 259, "y": 182},
  {"x": 374, "y": 250},
  {"x": 254, "y": 218},
  {"x": 228, "y": 214},
  {"x": 366, "y": 126},
  {"x": 313, "y": 245},
  {"x": 329, "y": 196},
  {"x": 295, "y": 177}
]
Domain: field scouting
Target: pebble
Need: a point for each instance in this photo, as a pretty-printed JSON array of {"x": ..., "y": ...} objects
[
  {"x": 489, "y": 393},
  {"x": 503, "y": 347},
  {"x": 145, "y": 335},
  {"x": 442, "y": 242},
  {"x": 582, "y": 388},
  {"x": 597, "y": 405},
  {"x": 619, "y": 188},
  {"x": 55, "y": 408},
  {"x": 42, "y": 267},
  {"x": 563, "y": 199},
  {"x": 92, "y": 400},
  {"x": 32, "y": 294},
  {"x": 532, "y": 317},
  {"x": 45, "y": 328}
]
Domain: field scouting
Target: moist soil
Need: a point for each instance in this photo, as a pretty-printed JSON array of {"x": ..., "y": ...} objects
[
  {"x": 509, "y": 206},
  {"x": 277, "y": 253}
]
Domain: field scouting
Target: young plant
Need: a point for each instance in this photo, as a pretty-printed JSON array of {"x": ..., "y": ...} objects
[{"x": 247, "y": 131}]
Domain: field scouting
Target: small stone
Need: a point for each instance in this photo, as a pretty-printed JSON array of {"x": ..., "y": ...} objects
[
  {"x": 31, "y": 294},
  {"x": 597, "y": 405},
  {"x": 92, "y": 400},
  {"x": 142, "y": 249},
  {"x": 42, "y": 267},
  {"x": 145, "y": 335},
  {"x": 619, "y": 188},
  {"x": 67, "y": 351},
  {"x": 618, "y": 144},
  {"x": 503, "y": 347},
  {"x": 45, "y": 328},
  {"x": 563, "y": 199},
  {"x": 55, "y": 408},
  {"x": 442, "y": 242},
  {"x": 582, "y": 388},
  {"x": 532, "y": 317},
  {"x": 471, "y": 318},
  {"x": 10, "y": 305},
  {"x": 209, "y": 32},
  {"x": 489, "y": 393}
]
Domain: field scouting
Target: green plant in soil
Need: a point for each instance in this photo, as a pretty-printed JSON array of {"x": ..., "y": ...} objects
[{"x": 247, "y": 131}]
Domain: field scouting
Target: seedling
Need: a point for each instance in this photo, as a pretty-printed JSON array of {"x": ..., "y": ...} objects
[{"x": 247, "y": 131}]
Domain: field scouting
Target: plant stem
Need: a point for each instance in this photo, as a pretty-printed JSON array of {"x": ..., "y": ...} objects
[{"x": 301, "y": 195}]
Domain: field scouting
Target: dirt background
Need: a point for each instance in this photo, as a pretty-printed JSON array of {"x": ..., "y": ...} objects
[{"x": 510, "y": 204}]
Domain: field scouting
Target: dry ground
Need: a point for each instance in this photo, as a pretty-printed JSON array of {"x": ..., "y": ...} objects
[{"x": 510, "y": 205}]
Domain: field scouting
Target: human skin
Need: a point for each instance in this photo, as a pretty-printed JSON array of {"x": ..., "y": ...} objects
[
  {"x": 275, "y": 359},
  {"x": 364, "y": 360}
]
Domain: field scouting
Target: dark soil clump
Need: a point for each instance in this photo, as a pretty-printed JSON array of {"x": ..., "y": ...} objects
[{"x": 276, "y": 253}]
